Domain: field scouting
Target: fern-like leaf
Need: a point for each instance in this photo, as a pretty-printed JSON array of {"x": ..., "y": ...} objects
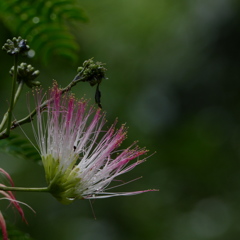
[
  {"x": 45, "y": 24},
  {"x": 19, "y": 147}
]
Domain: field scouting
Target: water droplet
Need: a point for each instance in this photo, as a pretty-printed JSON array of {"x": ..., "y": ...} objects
[{"x": 71, "y": 199}]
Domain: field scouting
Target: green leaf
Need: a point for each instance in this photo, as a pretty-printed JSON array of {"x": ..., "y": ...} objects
[
  {"x": 19, "y": 147},
  {"x": 45, "y": 24},
  {"x": 15, "y": 234}
]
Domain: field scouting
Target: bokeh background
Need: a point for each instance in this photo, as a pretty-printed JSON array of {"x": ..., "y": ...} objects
[{"x": 174, "y": 78}]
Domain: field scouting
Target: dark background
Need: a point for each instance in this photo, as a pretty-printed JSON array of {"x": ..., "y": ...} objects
[{"x": 174, "y": 78}]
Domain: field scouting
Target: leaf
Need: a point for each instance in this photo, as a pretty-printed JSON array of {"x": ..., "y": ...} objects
[
  {"x": 19, "y": 147},
  {"x": 15, "y": 234},
  {"x": 45, "y": 24}
]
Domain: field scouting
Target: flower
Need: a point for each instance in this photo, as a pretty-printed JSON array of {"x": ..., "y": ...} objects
[
  {"x": 78, "y": 156},
  {"x": 3, "y": 227},
  {"x": 8, "y": 195}
]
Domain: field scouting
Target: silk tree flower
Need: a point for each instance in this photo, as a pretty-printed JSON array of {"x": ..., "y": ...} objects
[
  {"x": 3, "y": 227},
  {"x": 79, "y": 158},
  {"x": 8, "y": 195}
]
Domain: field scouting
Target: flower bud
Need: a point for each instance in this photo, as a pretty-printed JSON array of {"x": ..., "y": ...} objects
[
  {"x": 16, "y": 46},
  {"x": 92, "y": 72},
  {"x": 27, "y": 74}
]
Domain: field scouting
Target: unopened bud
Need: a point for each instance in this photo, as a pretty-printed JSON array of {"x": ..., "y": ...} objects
[
  {"x": 16, "y": 46},
  {"x": 27, "y": 74},
  {"x": 92, "y": 72}
]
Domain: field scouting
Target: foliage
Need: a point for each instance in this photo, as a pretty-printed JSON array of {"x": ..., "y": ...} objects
[
  {"x": 15, "y": 234},
  {"x": 19, "y": 147},
  {"x": 46, "y": 24}
]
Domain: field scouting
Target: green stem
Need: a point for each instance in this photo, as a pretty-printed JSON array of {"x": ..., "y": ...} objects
[
  {"x": 9, "y": 117},
  {"x": 5, "y": 118},
  {"x": 19, "y": 90},
  {"x": 22, "y": 189}
]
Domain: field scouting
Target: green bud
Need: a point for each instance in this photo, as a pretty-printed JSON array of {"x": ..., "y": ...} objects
[
  {"x": 27, "y": 74},
  {"x": 92, "y": 72},
  {"x": 16, "y": 46}
]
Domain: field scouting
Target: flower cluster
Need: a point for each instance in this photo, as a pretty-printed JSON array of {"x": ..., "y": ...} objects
[
  {"x": 79, "y": 158},
  {"x": 11, "y": 198},
  {"x": 27, "y": 74},
  {"x": 16, "y": 46}
]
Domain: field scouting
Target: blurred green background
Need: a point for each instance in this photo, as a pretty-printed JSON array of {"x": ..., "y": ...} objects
[{"x": 174, "y": 78}]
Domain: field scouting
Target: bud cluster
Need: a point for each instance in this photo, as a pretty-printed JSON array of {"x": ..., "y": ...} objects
[
  {"x": 92, "y": 72},
  {"x": 16, "y": 46},
  {"x": 27, "y": 74}
]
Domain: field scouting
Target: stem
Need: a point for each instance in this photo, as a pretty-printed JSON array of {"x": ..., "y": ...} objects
[
  {"x": 22, "y": 189},
  {"x": 19, "y": 90},
  {"x": 5, "y": 118},
  {"x": 9, "y": 113}
]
